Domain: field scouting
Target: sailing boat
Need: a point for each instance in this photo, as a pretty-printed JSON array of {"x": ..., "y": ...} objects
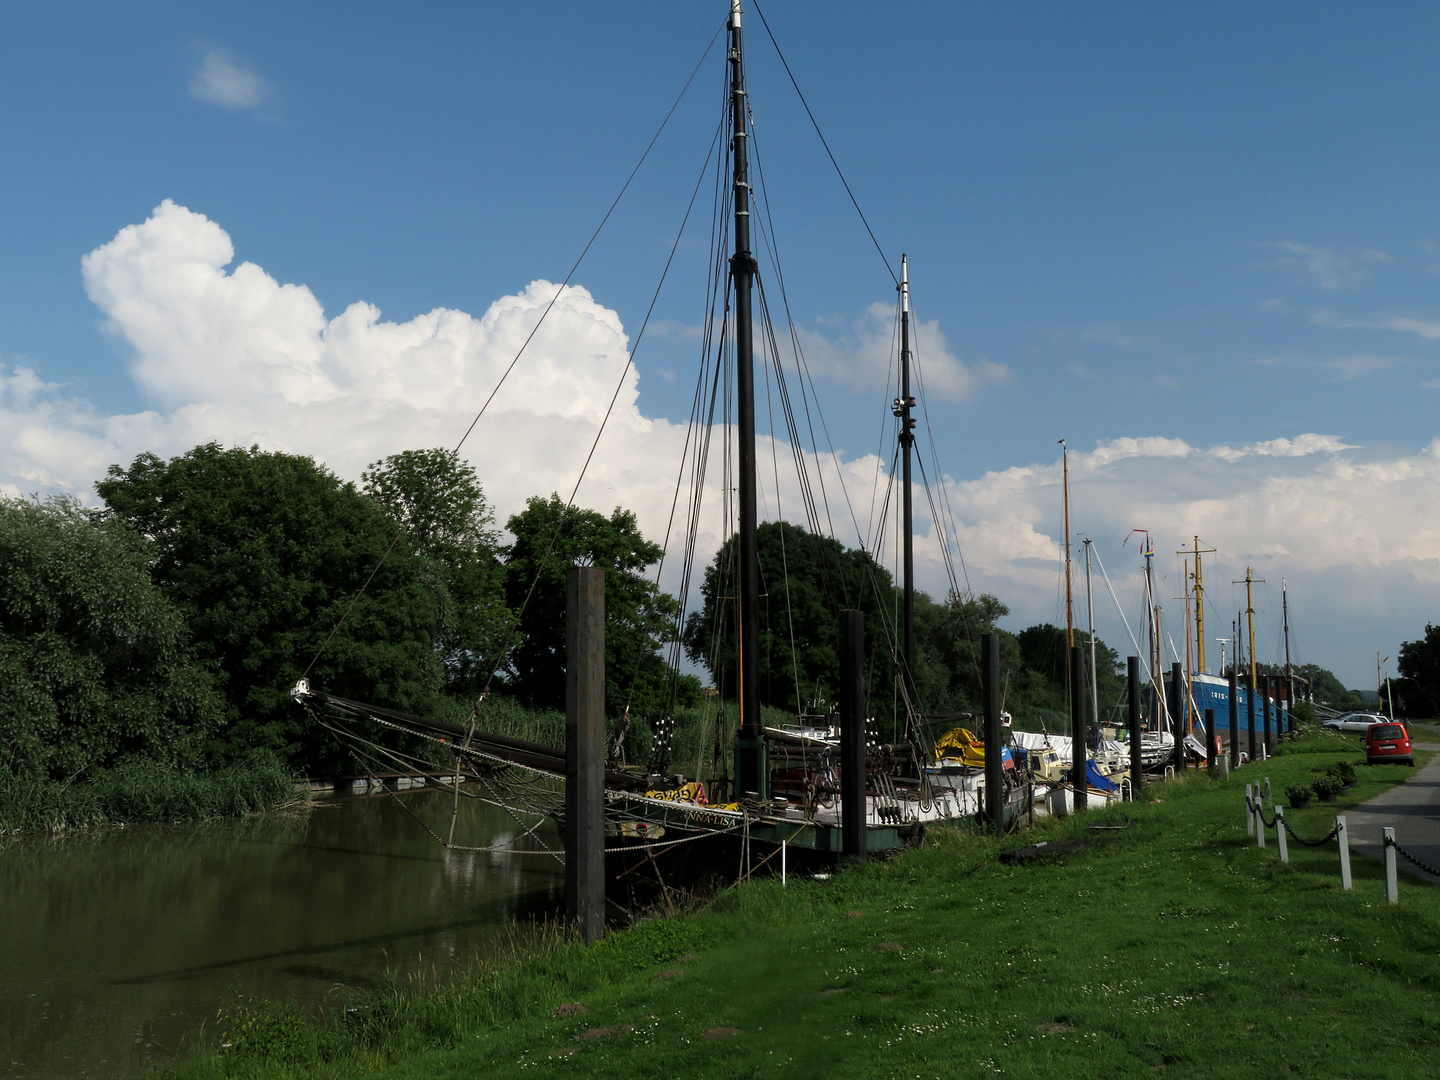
[{"x": 645, "y": 811}]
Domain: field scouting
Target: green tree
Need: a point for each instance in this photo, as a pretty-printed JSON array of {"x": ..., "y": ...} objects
[
  {"x": 947, "y": 641},
  {"x": 437, "y": 500},
  {"x": 1419, "y": 668},
  {"x": 95, "y": 662},
  {"x": 1324, "y": 686},
  {"x": 639, "y": 618},
  {"x": 1043, "y": 681},
  {"x": 264, "y": 553},
  {"x": 805, "y": 582}
]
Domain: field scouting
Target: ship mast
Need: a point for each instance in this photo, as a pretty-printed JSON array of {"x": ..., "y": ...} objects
[
  {"x": 1285, "y": 621},
  {"x": 1200, "y": 606},
  {"x": 1094, "y": 676},
  {"x": 752, "y": 773},
  {"x": 903, "y": 404},
  {"x": 1250, "y": 581},
  {"x": 1069, "y": 591}
]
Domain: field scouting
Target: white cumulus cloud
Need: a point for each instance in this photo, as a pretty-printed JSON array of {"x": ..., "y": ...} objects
[
  {"x": 862, "y": 358},
  {"x": 235, "y": 356}
]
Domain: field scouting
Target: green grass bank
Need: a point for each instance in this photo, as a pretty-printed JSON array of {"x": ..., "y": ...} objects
[{"x": 1169, "y": 946}]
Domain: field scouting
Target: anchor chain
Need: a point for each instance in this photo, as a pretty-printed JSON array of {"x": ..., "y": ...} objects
[{"x": 1390, "y": 842}]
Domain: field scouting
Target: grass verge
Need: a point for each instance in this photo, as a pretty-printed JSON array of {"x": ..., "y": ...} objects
[
  {"x": 1168, "y": 944},
  {"x": 143, "y": 791}
]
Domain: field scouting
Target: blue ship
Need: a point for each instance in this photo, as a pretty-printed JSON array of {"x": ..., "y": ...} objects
[{"x": 1212, "y": 692}]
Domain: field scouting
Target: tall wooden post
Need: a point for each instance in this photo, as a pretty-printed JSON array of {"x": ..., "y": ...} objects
[
  {"x": 990, "y": 698},
  {"x": 1180, "y": 714},
  {"x": 1079, "y": 744},
  {"x": 1212, "y": 755},
  {"x": 1234, "y": 717},
  {"x": 852, "y": 733},
  {"x": 585, "y": 751},
  {"x": 1137, "y": 767}
]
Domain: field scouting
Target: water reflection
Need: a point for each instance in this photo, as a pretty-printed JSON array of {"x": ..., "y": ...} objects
[{"x": 118, "y": 948}]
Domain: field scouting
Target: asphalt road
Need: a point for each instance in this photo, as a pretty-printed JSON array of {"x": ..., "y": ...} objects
[{"x": 1412, "y": 809}]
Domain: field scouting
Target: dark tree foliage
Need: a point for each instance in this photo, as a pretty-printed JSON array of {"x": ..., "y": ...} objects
[
  {"x": 639, "y": 618},
  {"x": 1419, "y": 668},
  {"x": 263, "y": 553},
  {"x": 805, "y": 582},
  {"x": 95, "y": 662},
  {"x": 947, "y": 645},
  {"x": 1043, "y": 678},
  {"x": 437, "y": 499},
  {"x": 1326, "y": 688}
]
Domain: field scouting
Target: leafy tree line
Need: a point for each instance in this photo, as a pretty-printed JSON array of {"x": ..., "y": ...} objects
[
  {"x": 170, "y": 623},
  {"x": 1417, "y": 690}
]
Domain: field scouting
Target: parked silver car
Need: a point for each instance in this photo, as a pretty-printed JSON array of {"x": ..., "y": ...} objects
[{"x": 1355, "y": 723}]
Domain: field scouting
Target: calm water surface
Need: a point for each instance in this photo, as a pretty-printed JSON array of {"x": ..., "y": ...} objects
[{"x": 119, "y": 947}]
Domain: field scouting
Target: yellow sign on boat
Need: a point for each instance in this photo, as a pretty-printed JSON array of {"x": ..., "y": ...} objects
[{"x": 693, "y": 792}]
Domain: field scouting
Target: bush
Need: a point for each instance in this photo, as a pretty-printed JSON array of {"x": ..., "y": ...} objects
[
  {"x": 1327, "y": 785},
  {"x": 1299, "y": 794},
  {"x": 1342, "y": 771}
]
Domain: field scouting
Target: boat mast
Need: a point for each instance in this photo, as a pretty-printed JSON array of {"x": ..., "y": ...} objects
[
  {"x": 1150, "y": 621},
  {"x": 1285, "y": 622},
  {"x": 752, "y": 775},
  {"x": 1250, "y": 581},
  {"x": 1200, "y": 606},
  {"x": 903, "y": 404},
  {"x": 1090, "y": 606},
  {"x": 1069, "y": 591},
  {"x": 1189, "y": 670}
]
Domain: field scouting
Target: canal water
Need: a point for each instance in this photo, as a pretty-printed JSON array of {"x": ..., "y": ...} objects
[{"x": 119, "y": 947}]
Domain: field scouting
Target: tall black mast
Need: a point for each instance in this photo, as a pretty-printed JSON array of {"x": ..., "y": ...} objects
[
  {"x": 752, "y": 772},
  {"x": 903, "y": 404}
]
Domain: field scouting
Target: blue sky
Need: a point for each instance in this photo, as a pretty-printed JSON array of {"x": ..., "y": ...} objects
[{"x": 1211, "y": 226}]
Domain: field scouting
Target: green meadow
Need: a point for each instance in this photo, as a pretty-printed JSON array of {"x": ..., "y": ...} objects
[{"x": 1168, "y": 944}]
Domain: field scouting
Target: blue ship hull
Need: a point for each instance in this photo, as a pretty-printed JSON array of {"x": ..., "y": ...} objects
[{"x": 1213, "y": 693}]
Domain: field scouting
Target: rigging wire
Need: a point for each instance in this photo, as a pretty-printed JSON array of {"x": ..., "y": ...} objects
[
  {"x": 345, "y": 615},
  {"x": 815, "y": 124}
]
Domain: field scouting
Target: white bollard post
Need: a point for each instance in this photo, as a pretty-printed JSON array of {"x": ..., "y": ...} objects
[
  {"x": 1260, "y": 824},
  {"x": 1344, "y": 837},
  {"x": 1280, "y": 833},
  {"x": 1268, "y": 796},
  {"x": 782, "y": 862},
  {"x": 1392, "y": 887},
  {"x": 1249, "y": 813}
]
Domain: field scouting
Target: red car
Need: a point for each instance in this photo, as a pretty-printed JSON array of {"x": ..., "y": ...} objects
[{"x": 1388, "y": 742}]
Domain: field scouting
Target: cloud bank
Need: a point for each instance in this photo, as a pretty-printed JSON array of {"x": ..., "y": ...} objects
[{"x": 233, "y": 355}]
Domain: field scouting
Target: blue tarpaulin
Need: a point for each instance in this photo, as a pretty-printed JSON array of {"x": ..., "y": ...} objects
[{"x": 1093, "y": 777}]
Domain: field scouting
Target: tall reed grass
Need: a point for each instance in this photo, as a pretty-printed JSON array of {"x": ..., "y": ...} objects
[{"x": 143, "y": 791}]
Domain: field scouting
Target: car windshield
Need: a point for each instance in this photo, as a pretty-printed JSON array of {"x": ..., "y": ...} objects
[{"x": 1386, "y": 731}]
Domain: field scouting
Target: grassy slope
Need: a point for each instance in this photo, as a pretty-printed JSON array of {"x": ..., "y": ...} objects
[{"x": 1174, "y": 944}]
